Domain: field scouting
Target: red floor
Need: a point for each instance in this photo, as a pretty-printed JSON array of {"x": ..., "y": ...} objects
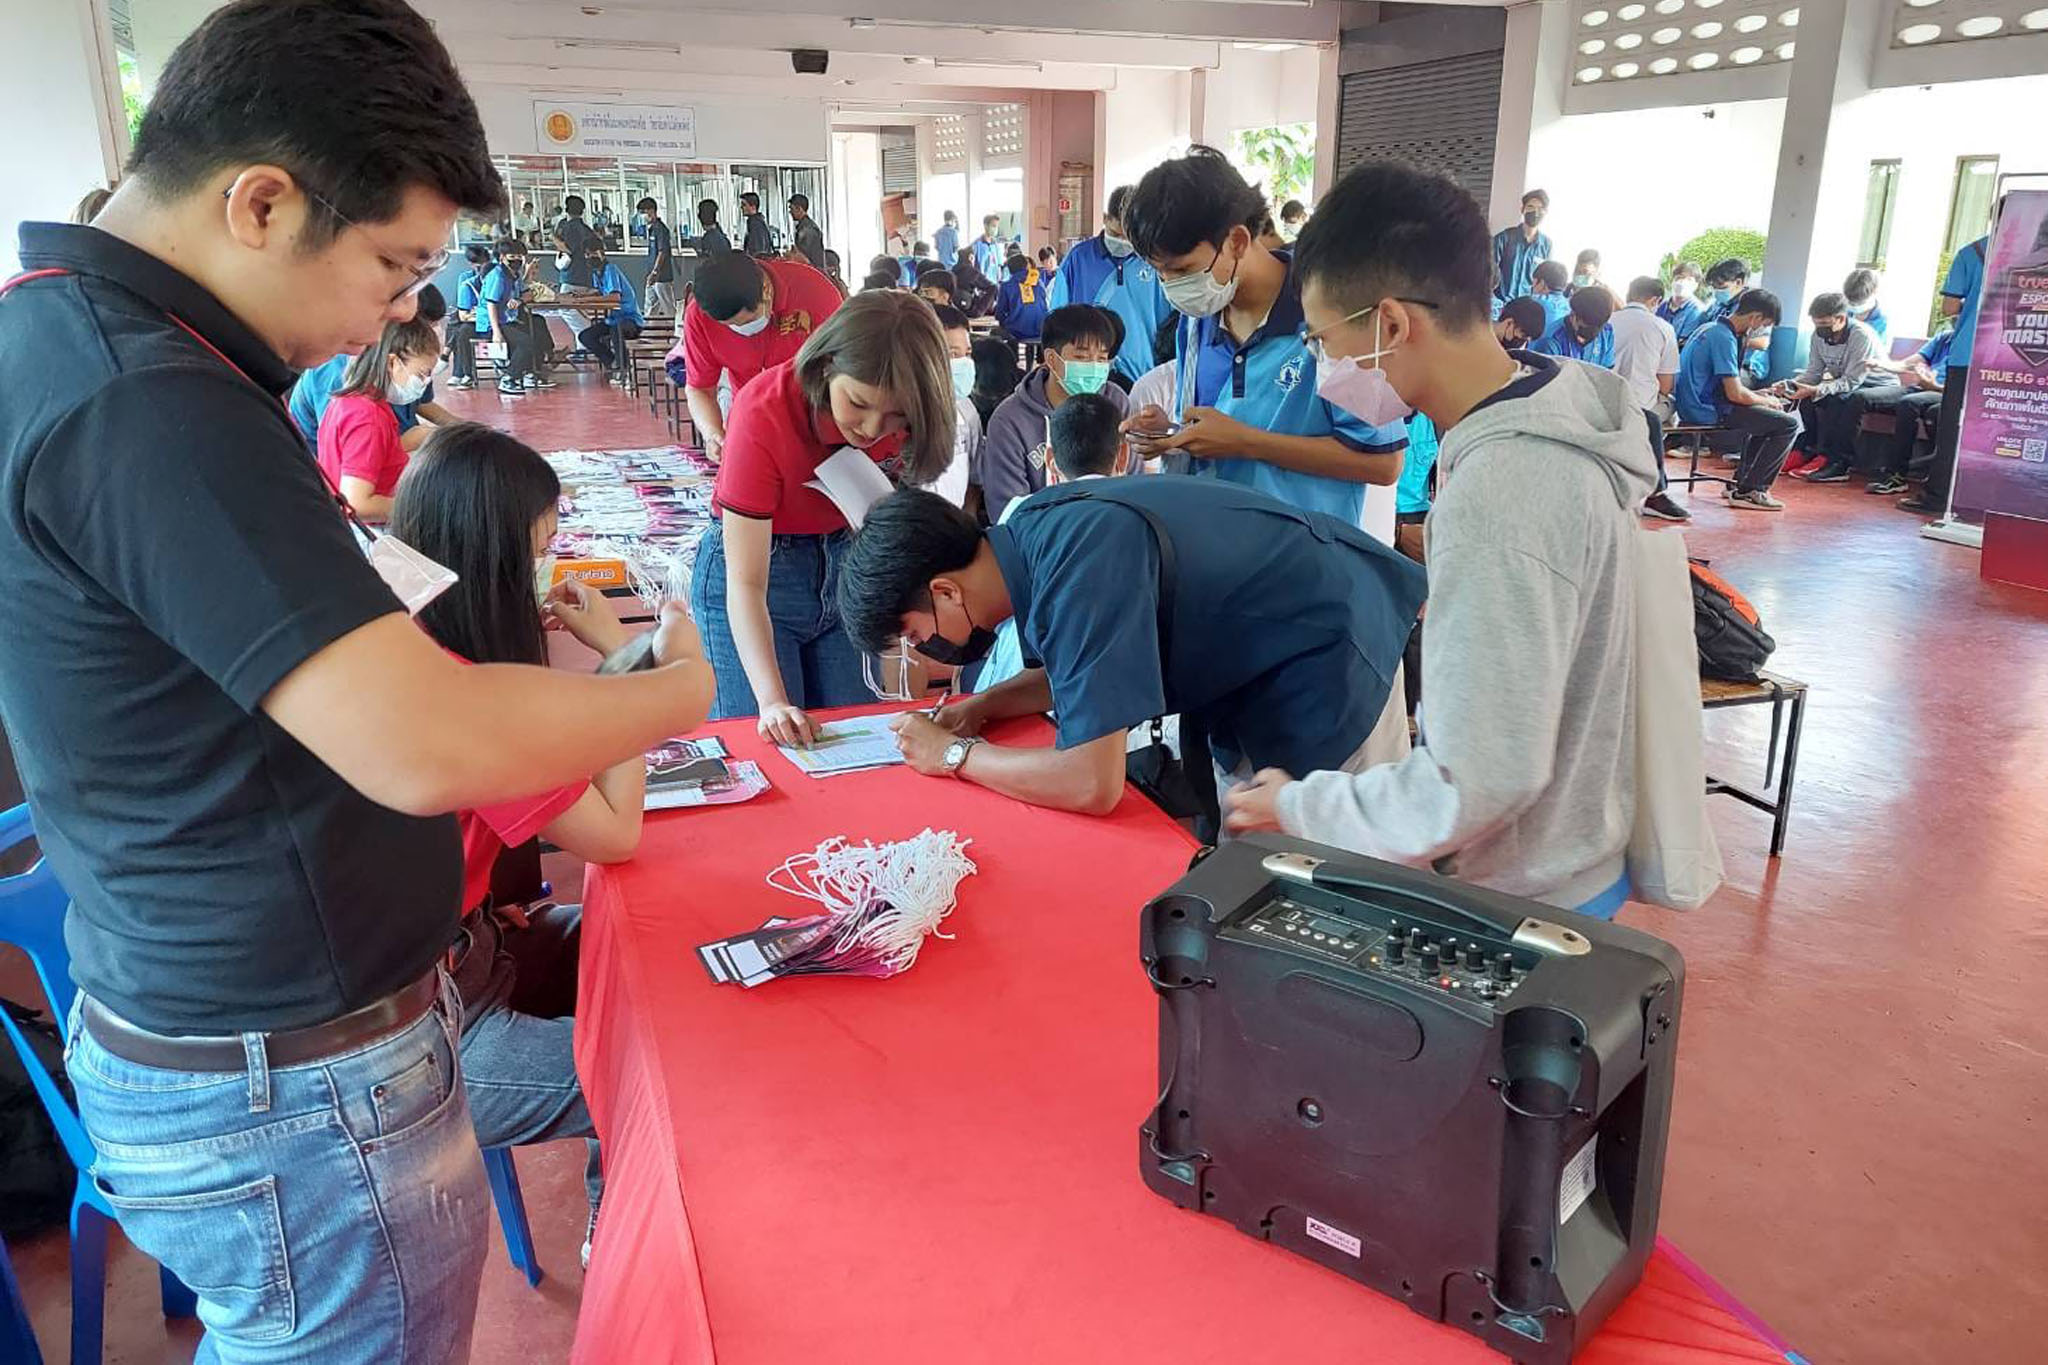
[{"x": 1861, "y": 1111}]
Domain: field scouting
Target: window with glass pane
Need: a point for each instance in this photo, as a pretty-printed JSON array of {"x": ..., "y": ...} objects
[
  {"x": 1880, "y": 199},
  {"x": 1969, "y": 213}
]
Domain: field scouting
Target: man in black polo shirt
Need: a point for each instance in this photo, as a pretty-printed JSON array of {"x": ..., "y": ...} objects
[{"x": 238, "y": 748}]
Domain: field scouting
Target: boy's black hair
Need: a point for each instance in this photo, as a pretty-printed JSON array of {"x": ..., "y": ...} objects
[
  {"x": 1728, "y": 272},
  {"x": 1860, "y": 287},
  {"x": 1293, "y": 208},
  {"x": 881, "y": 279},
  {"x": 432, "y": 305},
  {"x": 938, "y": 277},
  {"x": 951, "y": 319},
  {"x": 1540, "y": 196},
  {"x": 750, "y": 198},
  {"x": 573, "y": 205},
  {"x": 1689, "y": 269},
  {"x": 1190, "y": 201},
  {"x": 647, "y": 205},
  {"x": 728, "y": 283},
  {"x": 1827, "y": 306},
  {"x": 1593, "y": 307},
  {"x": 1761, "y": 301},
  {"x": 884, "y": 262},
  {"x": 1087, "y": 431},
  {"x": 477, "y": 254},
  {"x": 1552, "y": 275},
  {"x": 996, "y": 372},
  {"x": 1074, "y": 324},
  {"x": 831, "y": 260},
  {"x": 509, "y": 246},
  {"x": 920, "y": 250},
  {"x": 800, "y": 201},
  {"x": 1119, "y": 200},
  {"x": 1590, "y": 256},
  {"x": 1387, "y": 229},
  {"x": 1016, "y": 261},
  {"x": 707, "y": 212},
  {"x": 1643, "y": 288},
  {"x": 1527, "y": 314},
  {"x": 358, "y": 99},
  {"x": 907, "y": 539}
]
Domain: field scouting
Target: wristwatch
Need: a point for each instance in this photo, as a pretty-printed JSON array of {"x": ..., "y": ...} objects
[{"x": 956, "y": 753}]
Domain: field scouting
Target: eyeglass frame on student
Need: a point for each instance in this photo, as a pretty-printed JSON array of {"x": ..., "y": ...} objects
[
  {"x": 1314, "y": 340},
  {"x": 422, "y": 275}
]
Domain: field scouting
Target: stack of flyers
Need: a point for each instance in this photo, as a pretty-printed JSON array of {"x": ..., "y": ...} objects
[
  {"x": 817, "y": 945},
  {"x": 697, "y": 772}
]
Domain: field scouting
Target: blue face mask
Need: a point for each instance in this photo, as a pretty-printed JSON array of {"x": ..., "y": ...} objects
[{"x": 1722, "y": 293}]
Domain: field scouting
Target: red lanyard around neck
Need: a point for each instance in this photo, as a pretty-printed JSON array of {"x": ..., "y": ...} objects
[{"x": 189, "y": 330}]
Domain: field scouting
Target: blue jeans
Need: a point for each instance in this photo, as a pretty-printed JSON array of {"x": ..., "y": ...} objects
[
  {"x": 333, "y": 1212},
  {"x": 819, "y": 665},
  {"x": 518, "y": 988}
]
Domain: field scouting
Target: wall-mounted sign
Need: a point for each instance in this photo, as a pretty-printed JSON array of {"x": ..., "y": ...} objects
[{"x": 571, "y": 128}]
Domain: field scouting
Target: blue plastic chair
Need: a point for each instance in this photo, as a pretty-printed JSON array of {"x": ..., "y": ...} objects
[
  {"x": 32, "y": 918},
  {"x": 32, "y": 907}
]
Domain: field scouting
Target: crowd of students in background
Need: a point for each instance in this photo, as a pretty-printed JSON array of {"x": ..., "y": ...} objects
[{"x": 1696, "y": 352}]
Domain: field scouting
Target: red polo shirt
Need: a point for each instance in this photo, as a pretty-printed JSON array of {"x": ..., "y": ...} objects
[
  {"x": 488, "y": 831},
  {"x": 359, "y": 437},
  {"x": 774, "y": 442},
  {"x": 803, "y": 299}
]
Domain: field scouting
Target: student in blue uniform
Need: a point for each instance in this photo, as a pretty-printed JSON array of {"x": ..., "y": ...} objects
[
  {"x": 946, "y": 241},
  {"x": 624, "y": 321},
  {"x": 416, "y": 420},
  {"x": 462, "y": 332},
  {"x": 1961, "y": 292},
  {"x": 1583, "y": 333},
  {"x": 1520, "y": 247},
  {"x": 1276, "y": 631},
  {"x": 1682, "y": 307},
  {"x": 1106, "y": 271},
  {"x": 1020, "y": 306},
  {"x": 1860, "y": 288},
  {"x": 1247, "y": 400},
  {"x": 1710, "y": 392},
  {"x": 1550, "y": 285}
]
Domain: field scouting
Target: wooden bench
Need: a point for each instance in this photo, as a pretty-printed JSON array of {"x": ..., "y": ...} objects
[{"x": 1787, "y": 699}]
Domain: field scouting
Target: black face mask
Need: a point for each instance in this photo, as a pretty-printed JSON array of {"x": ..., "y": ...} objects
[
  {"x": 1532, "y": 216},
  {"x": 1836, "y": 337},
  {"x": 940, "y": 650}
]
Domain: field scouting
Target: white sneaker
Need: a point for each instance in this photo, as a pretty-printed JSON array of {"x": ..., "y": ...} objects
[{"x": 1754, "y": 500}]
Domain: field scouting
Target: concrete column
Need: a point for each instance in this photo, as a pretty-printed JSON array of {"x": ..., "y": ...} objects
[
  {"x": 57, "y": 78},
  {"x": 1329, "y": 112},
  {"x": 1535, "y": 64},
  {"x": 1823, "y": 156}
]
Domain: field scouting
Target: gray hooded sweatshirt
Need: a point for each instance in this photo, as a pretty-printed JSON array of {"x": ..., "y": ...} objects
[
  {"x": 1018, "y": 443},
  {"x": 1525, "y": 777}
]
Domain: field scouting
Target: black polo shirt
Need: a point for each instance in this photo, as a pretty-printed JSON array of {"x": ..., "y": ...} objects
[{"x": 171, "y": 554}]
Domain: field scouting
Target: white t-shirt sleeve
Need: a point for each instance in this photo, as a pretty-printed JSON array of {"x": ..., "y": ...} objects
[{"x": 952, "y": 485}]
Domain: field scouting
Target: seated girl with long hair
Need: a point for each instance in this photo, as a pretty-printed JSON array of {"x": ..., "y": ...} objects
[{"x": 483, "y": 504}]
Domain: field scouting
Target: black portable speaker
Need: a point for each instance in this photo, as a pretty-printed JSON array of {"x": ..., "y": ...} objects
[{"x": 1458, "y": 1098}]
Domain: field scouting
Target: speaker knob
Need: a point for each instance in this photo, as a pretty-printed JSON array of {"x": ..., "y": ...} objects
[
  {"x": 1397, "y": 948},
  {"x": 1416, "y": 940},
  {"x": 1428, "y": 961},
  {"x": 1475, "y": 958},
  {"x": 1504, "y": 968}
]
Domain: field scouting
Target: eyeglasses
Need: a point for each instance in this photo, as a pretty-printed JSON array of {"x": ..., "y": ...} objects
[
  {"x": 418, "y": 277},
  {"x": 1314, "y": 340}
]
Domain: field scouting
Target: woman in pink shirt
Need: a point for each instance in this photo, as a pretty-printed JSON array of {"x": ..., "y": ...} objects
[{"x": 359, "y": 447}]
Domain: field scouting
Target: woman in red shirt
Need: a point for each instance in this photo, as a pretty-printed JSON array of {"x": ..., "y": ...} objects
[
  {"x": 358, "y": 445},
  {"x": 483, "y": 504},
  {"x": 875, "y": 376}
]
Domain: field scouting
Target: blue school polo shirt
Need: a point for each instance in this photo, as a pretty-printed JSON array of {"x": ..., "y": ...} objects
[
  {"x": 315, "y": 387},
  {"x": 1270, "y": 383},
  {"x": 469, "y": 291},
  {"x": 1518, "y": 259},
  {"x": 1287, "y": 625},
  {"x": 1685, "y": 317},
  {"x": 1555, "y": 306},
  {"x": 1126, "y": 286},
  {"x": 1966, "y": 282},
  {"x": 499, "y": 289},
  {"x": 1938, "y": 351},
  {"x": 1560, "y": 341},
  {"x": 1714, "y": 353},
  {"x": 612, "y": 280}
]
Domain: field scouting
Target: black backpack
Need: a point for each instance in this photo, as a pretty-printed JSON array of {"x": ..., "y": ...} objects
[
  {"x": 1733, "y": 642},
  {"x": 36, "y": 1175}
]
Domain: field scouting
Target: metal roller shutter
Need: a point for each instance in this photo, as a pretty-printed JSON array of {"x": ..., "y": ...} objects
[
  {"x": 899, "y": 167},
  {"x": 1440, "y": 115}
]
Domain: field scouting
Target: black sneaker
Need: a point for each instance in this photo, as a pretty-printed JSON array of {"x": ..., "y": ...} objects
[
  {"x": 1888, "y": 486},
  {"x": 1921, "y": 505},
  {"x": 1661, "y": 506},
  {"x": 511, "y": 386},
  {"x": 1834, "y": 471}
]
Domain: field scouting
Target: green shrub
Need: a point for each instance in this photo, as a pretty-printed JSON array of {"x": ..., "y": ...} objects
[{"x": 1718, "y": 244}]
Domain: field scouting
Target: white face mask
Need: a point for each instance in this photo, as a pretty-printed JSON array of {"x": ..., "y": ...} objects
[
  {"x": 543, "y": 576},
  {"x": 963, "y": 376},
  {"x": 1115, "y": 245},
  {"x": 750, "y": 329},
  {"x": 408, "y": 389},
  {"x": 1682, "y": 290},
  {"x": 1201, "y": 295}
]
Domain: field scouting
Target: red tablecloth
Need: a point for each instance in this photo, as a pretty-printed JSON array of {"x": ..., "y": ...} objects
[{"x": 942, "y": 1166}]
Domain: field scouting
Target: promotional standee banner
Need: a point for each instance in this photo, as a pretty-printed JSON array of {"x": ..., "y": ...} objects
[{"x": 2002, "y": 457}]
